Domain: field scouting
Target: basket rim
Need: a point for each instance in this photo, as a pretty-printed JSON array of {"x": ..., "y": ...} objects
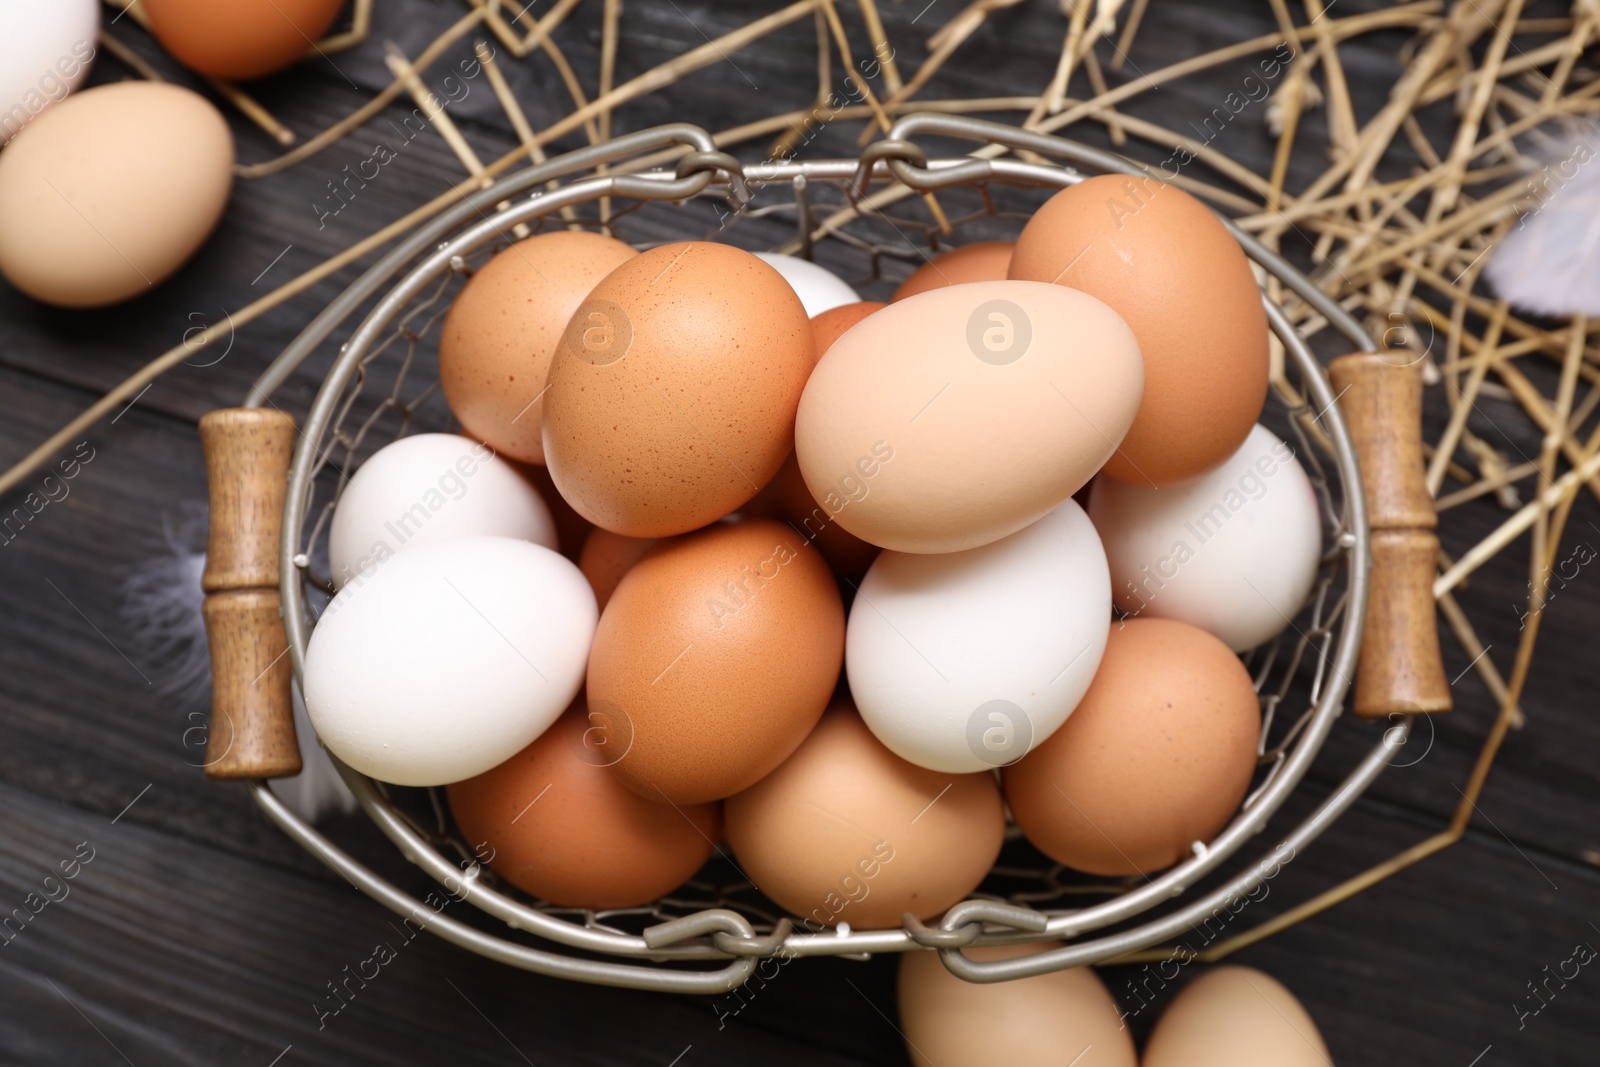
[{"x": 723, "y": 934}]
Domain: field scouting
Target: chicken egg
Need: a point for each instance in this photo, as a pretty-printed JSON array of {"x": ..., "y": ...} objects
[
  {"x": 1162, "y": 260},
  {"x": 557, "y": 824},
  {"x": 108, "y": 192},
  {"x": 1236, "y": 1017},
  {"x": 1045, "y": 1021},
  {"x": 847, "y": 832},
  {"x": 1157, "y": 756},
  {"x": 430, "y": 487},
  {"x": 672, "y": 393},
  {"x": 448, "y": 659},
  {"x": 241, "y": 38},
  {"x": 967, "y": 661},
  {"x": 717, "y": 653},
  {"x": 501, "y": 334},
  {"x": 45, "y": 52},
  {"x": 1234, "y": 550},
  {"x": 957, "y": 416}
]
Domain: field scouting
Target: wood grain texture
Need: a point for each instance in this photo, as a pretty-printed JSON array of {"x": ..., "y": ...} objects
[
  {"x": 252, "y": 714},
  {"x": 201, "y": 935},
  {"x": 252, "y": 731},
  {"x": 247, "y": 469},
  {"x": 1401, "y": 671}
]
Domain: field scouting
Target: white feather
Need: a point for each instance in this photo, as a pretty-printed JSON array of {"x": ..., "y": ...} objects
[
  {"x": 161, "y": 607},
  {"x": 1550, "y": 264}
]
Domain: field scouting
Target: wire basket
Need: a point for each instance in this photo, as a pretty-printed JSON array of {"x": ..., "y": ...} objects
[{"x": 870, "y": 220}]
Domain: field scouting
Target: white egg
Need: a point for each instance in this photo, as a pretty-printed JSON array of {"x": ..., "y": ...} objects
[
  {"x": 967, "y": 661},
  {"x": 449, "y": 659},
  {"x": 1234, "y": 551},
  {"x": 45, "y": 53},
  {"x": 818, "y": 288},
  {"x": 426, "y": 488}
]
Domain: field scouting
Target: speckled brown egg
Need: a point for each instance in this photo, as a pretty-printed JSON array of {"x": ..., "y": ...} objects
[
  {"x": 1157, "y": 755},
  {"x": 981, "y": 261},
  {"x": 847, "y": 832},
  {"x": 1162, "y": 260},
  {"x": 240, "y": 38},
  {"x": 720, "y": 651},
  {"x": 673, "y": 391},
  {"x": 501, "y": 334},
  {"x": 607, "y": 557},
  {"x": 556, "y": 823}
]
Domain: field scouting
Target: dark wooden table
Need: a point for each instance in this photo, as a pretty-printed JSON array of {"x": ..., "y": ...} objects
[{"x": 198, "y": 934}]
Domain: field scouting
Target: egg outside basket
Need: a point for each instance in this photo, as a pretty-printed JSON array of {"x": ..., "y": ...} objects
[{"x": 710, "y": 939}]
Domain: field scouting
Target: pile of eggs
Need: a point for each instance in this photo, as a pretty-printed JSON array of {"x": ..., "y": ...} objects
[{"x": 852, "y": 580}]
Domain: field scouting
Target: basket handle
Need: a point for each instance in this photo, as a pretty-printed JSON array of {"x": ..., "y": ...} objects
[
  {"x": 252, "y": 714},
  {"x": 1400, "y": 670}
]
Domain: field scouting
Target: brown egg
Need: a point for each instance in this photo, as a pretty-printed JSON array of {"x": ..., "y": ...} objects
[
  {"x": 1157, "y": 755},
  {"x": 847, "y": 832},
  {"x": 109, "y": 191},
  {"x": 1237, "y": 1017},
  {"x": 829, "y": 326},
  {"x": 241, "y": 38},
  {"x": 787, "y": 499},
  {"x": 1162, "y": 260},
  {"x": 982, "y": 261},
  {"x": 1064, "y": 1017},
  {"x": 556, "y": 823},
  {"x": 673, "y": 392},
  {"x": 607, "y": 557},
  {"x": 501, "y": 333},
  {"x": 719, "y": 651}
]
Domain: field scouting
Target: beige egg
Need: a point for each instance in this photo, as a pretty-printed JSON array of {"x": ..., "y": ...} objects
[
  {"x": 501, "y": 334},
  {"x": 1236, "y": 1017},
  {"x": 673, "y": 391},
  {"x": 954, "y": 417},
  {"x": 1050, "y": 1020},
  {"x": 106, "y": 194},
  {"x": 845, "y": 831}
]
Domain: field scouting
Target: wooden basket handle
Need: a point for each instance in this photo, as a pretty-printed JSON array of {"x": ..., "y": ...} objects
[
  {"x": 1400, "y": 669},
  {"x": 252, "y": 712}
]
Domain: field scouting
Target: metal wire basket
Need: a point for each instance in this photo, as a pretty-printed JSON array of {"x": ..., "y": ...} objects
[{"x": 868, "y": 219}]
